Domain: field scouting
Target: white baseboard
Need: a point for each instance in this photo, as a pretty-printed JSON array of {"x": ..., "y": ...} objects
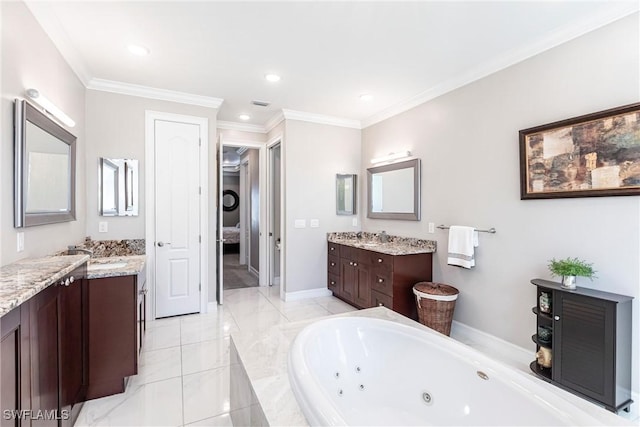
[
  {"x": 311, "y": 293},
  {"x": 507, "y": 352},
  {"x": 254, "y": 271}
]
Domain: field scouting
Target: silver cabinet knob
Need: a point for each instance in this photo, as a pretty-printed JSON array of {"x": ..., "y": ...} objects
[
  {"x": 355, "y": 264},
  {"x": 333, "y": 283},
  {"x": 67, "y": 282},
  {"x": 72, "y": 279},
  {"x": 556, "y": 318},
  {"x": 332, "y": 249},
  {"x": 350, "y": 262},
  {"x": 380, "y": 304},
  {"x": 380, "y": 280},
  {"x": 379, "y": 259}
]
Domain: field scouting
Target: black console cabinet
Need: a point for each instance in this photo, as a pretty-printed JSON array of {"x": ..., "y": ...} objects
[{"x": 590, "y": 343}]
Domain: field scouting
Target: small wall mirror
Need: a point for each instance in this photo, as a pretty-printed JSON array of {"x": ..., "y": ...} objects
[
  {"x": 346, "y": 186},
  {"x": 45, "y": 165},
  {"x": 118, "y": 187},
  {"x": 394, "y": 191}
]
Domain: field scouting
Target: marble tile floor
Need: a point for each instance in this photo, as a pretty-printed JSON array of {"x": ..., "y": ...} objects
[{"x": 184, "y": 368}]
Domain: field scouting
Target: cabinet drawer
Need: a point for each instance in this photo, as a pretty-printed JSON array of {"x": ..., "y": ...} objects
[
  {"x": 381, "y": 300},
  {"x": 333, "y": 282},
  {"x": 382, "y": 281},
  {"x": 333, "y": 265},
  {"x": 381, "y": 260},
  {"x": 334, "y": 249}
]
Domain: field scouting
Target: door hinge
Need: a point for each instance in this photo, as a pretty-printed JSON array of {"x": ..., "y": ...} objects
[
  {"x": 200, "y": 190},
  {"x": 199, "y": 142},
  {"x": 199, "y": 239},
  {"x": 199, "y": 286}
]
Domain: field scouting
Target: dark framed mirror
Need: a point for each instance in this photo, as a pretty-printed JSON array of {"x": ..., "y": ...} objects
[
  {"x": 44, "y": 169},
  {"x": 230, "y": 200}
]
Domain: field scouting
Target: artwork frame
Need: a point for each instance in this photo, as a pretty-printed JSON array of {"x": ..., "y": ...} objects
[{"x": 592, "y": 155}]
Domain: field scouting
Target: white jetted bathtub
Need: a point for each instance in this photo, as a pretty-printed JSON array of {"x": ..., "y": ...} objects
[{"x": 364, "y": 371}]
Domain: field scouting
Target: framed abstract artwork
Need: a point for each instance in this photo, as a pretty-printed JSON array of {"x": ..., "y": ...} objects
[{"x": 593, "y": 155}]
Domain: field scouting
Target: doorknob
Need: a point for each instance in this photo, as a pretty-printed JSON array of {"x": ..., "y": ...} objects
[{"x": 161, "y": 244}]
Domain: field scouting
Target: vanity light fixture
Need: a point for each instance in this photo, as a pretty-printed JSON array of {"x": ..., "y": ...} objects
[
  {"x": 272, "y": 77},
  {"x": 391, "y": 157},
  {"x": 244, "y": 117},
  {"x": 138, "y": 50},
  {"x": 49, "y": 107}
]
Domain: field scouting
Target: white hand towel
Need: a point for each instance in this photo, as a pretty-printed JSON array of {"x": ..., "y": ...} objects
[{"x": 462, "y": 241}]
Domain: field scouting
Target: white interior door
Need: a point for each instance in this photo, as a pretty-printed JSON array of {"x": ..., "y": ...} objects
[{"x": 177, "y": 210}]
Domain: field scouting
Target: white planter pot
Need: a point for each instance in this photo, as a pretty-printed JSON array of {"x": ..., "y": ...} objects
[{"x": 568, "y": 282}]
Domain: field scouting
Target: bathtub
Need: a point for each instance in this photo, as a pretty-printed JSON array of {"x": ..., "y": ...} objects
[{"x": 364, "y": 371}]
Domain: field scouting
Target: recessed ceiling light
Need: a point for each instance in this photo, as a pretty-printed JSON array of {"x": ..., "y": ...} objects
[
  {"x": 272, "y": 77},
  {"x": 366, "y": 97},
  {"x": 138, "y": 50},
  {"x": 244, "y": 117}
]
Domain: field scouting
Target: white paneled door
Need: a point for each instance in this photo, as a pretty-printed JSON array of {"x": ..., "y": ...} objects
[{"x": 177, "y": 196}]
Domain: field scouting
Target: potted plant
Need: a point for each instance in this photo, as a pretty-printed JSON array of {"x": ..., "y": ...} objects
[{"x": 569, "y": 268}]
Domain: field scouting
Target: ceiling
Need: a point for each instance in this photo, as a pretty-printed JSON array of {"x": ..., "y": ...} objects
[{"x": 327, "y": 53}]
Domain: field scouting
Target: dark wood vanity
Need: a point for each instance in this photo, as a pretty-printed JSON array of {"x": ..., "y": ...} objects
[
  {"x": 116, "y": 326},
  {"x": 44, "y": 366},
  {"x": 76, "y": 339},
  {"x": 365, "y": 278}
]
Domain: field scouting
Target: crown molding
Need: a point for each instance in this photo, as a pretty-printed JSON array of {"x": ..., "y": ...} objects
[
  {"x": 552, "y": 40},
  {"x": 274, "y": 121},
  {"x": 244, "y": 127},
  {"x": 154, "y": 93},
  {"x": 321, "y": 119}
]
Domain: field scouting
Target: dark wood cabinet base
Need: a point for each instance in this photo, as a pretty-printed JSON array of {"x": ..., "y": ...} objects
[{"x": 367, "y": 279}]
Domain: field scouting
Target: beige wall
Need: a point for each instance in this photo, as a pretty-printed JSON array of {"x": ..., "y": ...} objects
[
  {"x": 313, "y": 154},
  {"x": 468, "y": 143},
  {"x": 29, "y": 59}
]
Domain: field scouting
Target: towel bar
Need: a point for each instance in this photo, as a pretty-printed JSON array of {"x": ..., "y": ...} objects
[{"x": 491, "y": 230}]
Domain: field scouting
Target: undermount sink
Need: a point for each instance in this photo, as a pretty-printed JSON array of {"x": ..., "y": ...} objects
[{"x": 106, "y": 266}]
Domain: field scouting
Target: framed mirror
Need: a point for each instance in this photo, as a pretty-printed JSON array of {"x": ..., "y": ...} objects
[
  {"x": 44, "y": 169},
  {"x": 346, "y": 194},
  {"x": 394, "y": 191},
  {"x": 118, "y": 190}
]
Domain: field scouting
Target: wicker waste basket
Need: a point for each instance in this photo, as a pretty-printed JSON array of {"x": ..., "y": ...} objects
[{"x": 436, "y": 302}]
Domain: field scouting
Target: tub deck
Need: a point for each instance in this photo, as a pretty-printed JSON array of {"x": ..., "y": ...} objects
[{"x": 261, "y": 394}]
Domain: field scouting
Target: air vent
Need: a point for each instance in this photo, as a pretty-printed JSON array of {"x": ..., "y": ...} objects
[{"x": 260, "y": 103}]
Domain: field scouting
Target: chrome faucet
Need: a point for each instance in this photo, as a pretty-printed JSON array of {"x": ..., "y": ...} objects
[
  {"x": 383, "y": 236},
  {"x": 359, "y": 234},
  {"x": 73, "y": 250}
]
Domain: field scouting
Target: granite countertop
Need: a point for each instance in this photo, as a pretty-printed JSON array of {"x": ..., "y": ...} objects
[
  {"x": 23, "y": 279},
  {"x": 115, "y": 266},
  {"x": 395, "y": 246}
]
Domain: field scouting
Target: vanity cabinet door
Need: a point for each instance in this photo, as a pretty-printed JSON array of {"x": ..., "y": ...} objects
[
  {"x": 362, "y": 296},
  {"x": 347, "y": 279},
  {"x": 73, "y": 375},
  {"x": 45, "y": 313},
  {"x": 15, "y": 392}
]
